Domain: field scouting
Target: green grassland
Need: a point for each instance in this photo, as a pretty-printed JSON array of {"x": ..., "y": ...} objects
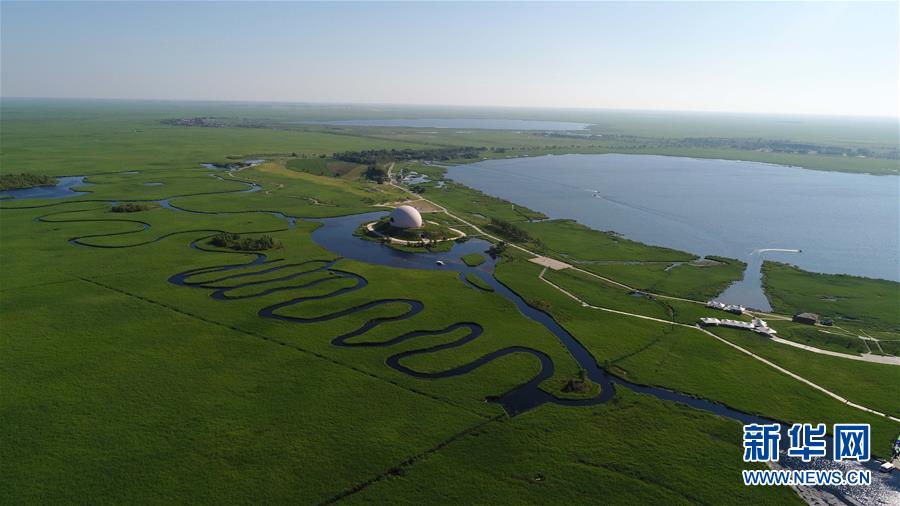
[
  {"x": 686, "y": 360},
  {"x": 862, "y": 382},
  {"x": 852, "y": 379},
  {"x": 133, "y": 132},
  {"x": 691, "y": 280},
  {"x": 160, "y": 406},
  {"x": 590, "y": 455},
  {"x": 121, "y": 386},
  {"x": 568, "y": 239},
  {"x": 475, "y": 280},
  {"x": 326, "y": 167},
  {"x": 850, "y": 299},
  {"x": 821, "y": 337},
  {"x": 473, "y": 259}
]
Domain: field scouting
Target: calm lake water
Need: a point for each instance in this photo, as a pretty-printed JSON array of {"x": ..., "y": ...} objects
[
  {"x": 473, "y": 123},
  {"x": 843, "y": 223}
]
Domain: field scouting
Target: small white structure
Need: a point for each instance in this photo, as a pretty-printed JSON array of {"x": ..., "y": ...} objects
[
  {"x": 406, "y": 217},
  {"x": 756, "y": 325},
  {"x": 731, "y": 308}
]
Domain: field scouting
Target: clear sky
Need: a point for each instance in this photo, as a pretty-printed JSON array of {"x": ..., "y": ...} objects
[{"x": 816, "y": 58}]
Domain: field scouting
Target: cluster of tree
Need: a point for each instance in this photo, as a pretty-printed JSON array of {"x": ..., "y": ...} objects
[
  {"x": 236, "y": 242},
  {"x": 618, "y": 141},
  {"x": 509, "y": 230},
  {"x": 497, "y": 249},
  {"x": 580, "y": 384},
  {"x": 23, "y": 180},
  {"x": 376, "y": 173},
  {"x": 129, "y": 207},
  {"x": 562, "y": 135},
  {"x": 778, "y": 146},
  {"x": 194, "y": 122},
  {"x": 376, "y": 156}
]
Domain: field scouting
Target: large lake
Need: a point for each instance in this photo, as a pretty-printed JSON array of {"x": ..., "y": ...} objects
[
  {"x": 843, "y": 223},
  {"x": 459, "y": 123}
]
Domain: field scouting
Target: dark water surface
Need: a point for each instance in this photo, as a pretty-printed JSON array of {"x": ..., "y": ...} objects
[{"x": 843, "y": 223}]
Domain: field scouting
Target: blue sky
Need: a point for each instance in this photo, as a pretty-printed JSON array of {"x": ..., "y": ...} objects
[{"x": 811, "y": 58}]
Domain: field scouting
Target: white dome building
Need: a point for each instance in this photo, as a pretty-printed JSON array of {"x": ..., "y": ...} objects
[{"x": 406, "y": 217}]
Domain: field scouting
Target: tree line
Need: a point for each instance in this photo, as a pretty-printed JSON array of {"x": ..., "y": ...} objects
[
  {"x": 23, "y": 180},
  {"x": 377, "y": 156}
]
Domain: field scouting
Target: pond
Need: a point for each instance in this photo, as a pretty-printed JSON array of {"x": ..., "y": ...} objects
[{"x": 821, "y": 221}]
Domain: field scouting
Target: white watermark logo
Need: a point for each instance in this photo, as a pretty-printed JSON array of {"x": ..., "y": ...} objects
[{"x": 807, "y": 442}]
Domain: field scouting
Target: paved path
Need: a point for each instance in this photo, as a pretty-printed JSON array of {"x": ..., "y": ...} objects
[
  {"x": 556, "y": 265},
  {"x": 865, "y": 357},
  {"x": 371, "y": 228}
]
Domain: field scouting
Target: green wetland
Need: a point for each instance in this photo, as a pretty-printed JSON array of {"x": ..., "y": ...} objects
[{"x": 329, "y": 368}]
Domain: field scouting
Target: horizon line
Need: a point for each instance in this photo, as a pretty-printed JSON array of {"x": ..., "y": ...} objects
[{"x": 459, "y": 106}]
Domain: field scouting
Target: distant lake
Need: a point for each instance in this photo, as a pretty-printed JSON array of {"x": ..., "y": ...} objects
[
  {"x": 460, "y": 123},
  {"x": 843, "y": 223}
]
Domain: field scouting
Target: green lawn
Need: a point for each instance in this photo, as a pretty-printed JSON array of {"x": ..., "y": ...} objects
[
  {"x": 630, "y": 451},
  {"x": 686, "y": 360},
  {"x": 157, "y": 405},
  {"x": 473, "y": 259},
  {"x": 475, "y": 280},
  {"x": 851, "y": 299}
]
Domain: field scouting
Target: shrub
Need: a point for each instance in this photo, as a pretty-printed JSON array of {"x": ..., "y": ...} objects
[
  {"x": 236, "y": 242},
  {"x": 509, "y": 230},
  {"x": 129, "y": 207}
]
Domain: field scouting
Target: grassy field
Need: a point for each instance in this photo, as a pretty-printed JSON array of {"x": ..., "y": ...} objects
[
  {"x": 851, "y": 299},
  {"x": 121, "y": 386},
  {"x": 326, "y": 167},
  {"x": 475, "y": 280},
  {"x": 163, "y": 406},
  {"x": 686, "y": 360},
  {"x": 473, "y": 259},
  {"x": 589, "y": 455}
]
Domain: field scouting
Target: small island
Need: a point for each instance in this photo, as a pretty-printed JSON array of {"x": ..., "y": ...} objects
[
  {"x": 238, "y": 243},
  {"x": 405, "y": 227}
]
